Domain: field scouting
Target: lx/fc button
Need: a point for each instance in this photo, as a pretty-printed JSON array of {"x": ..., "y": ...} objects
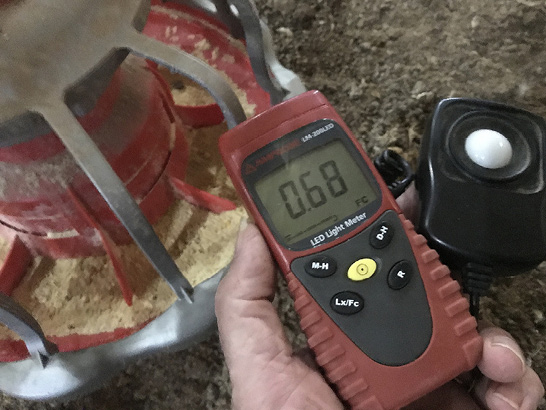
[{"x": 347, "y": 303}]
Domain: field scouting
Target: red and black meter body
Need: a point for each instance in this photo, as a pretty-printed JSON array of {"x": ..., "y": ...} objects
[{"x": 384, "y": 318}]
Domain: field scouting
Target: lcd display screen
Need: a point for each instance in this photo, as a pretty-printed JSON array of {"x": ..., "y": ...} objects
[{"x": 313, "y": 191}]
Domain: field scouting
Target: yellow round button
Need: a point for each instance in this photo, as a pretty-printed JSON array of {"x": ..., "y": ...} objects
[{"x": 362, "y": 269}]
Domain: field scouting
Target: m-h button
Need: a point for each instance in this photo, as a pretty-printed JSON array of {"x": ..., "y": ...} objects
[{"x": 321, "y": 266}]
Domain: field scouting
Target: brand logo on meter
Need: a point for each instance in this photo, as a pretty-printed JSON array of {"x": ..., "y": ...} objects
[{"x": 277, "y": 152}]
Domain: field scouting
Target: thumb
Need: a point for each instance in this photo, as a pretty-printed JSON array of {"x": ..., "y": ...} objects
[
  {"x": 263, "y": 371},
  {"x": 250, "y": 330},
  {"x": 409, "y": 203}
]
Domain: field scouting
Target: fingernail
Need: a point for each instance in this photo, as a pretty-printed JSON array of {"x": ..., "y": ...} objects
[
  {"x": 243, "y": 224},
  {"x": 506, "y": 401},
  {"x": 506, "y": 343}
]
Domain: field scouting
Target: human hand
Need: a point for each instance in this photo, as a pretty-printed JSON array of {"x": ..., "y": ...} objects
[
  {"x": 503, "y": 382},
  {"x": 266, "y": 373}
]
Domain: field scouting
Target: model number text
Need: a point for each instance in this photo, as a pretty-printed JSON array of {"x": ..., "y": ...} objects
[{"x": 317, "y": 132}]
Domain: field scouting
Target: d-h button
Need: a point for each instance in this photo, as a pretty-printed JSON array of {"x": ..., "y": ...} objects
[{"x": 381, "y": 235}]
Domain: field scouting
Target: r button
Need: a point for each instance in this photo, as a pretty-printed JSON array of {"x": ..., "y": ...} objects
[{"x": 400, "y": 275}]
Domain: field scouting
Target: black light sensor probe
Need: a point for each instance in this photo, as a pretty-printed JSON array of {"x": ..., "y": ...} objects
[{"x": 481, "y": 180}]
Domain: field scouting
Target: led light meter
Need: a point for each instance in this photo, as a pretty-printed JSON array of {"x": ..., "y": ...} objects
[{"x": 381, "y": 313}]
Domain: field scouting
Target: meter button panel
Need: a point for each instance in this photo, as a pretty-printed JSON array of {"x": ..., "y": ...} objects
[
  {"x": 321, "y": 266},
  {"x": 381, "y": 235},
  {"x": 375, "y": 295},
  {"x": 347, "y": 303},
  {"x": 400, "y": 275}
]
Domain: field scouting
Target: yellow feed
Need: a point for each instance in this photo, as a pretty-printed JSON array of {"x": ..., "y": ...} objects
[{"x": 81, "y": 296}]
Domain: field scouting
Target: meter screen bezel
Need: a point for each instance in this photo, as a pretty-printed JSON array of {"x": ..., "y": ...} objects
[{"x": 288, "y": 148}]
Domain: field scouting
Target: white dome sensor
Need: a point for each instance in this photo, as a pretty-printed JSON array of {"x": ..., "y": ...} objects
[{"x": 488, "y": 149}]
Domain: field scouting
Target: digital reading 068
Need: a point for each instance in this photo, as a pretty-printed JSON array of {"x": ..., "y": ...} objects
[{"x": 311, "y": 192}]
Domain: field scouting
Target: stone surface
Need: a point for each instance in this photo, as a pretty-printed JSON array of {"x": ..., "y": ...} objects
[{"x": 384, "y": 65}]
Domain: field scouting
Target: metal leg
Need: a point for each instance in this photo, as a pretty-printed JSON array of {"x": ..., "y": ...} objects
[
  {"x": 288, "y": 80},
  {"x": 248, "y": 15},
  {"x": 99, "y": 171},
  {"x": 225, "y": 14},
  {"x": 218, "y": 9},
  {"x": 279, "y": 82},
  {"x": 191, "y": 67},
  {"x": 16, "y": 318}
]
